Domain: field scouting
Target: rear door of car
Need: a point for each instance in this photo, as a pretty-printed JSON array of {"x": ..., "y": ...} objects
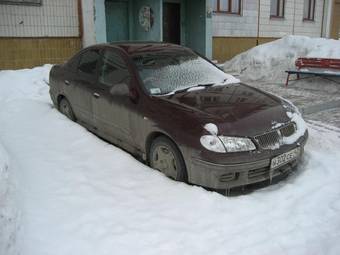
[
  {"x": 113, "y": 108},
  {"x": 80, "y": 87}
]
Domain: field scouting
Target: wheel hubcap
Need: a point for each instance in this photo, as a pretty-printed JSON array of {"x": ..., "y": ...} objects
[{"x": 163, "y": 159}]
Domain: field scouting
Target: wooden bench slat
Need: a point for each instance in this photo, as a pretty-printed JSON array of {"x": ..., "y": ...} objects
[{"x": 316, "y": 66}]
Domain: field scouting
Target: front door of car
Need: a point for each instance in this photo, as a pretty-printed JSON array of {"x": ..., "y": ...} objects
[
  {"x": 113, "y": 108},
  {"x": 80, "y": 88}
]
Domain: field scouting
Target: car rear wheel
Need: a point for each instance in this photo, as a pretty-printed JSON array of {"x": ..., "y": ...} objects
[
  {"x": 66, "y": 109},
  {"x": 165, "y": 157}
]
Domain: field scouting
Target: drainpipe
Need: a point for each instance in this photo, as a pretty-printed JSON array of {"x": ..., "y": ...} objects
[
  {"x": 293, "y": 32},
  {"x": 323, "y": 17},
  {"x": 258, "y": 22}
]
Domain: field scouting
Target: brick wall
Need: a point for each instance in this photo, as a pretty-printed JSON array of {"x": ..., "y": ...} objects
[{"x": 16, "y": 53}]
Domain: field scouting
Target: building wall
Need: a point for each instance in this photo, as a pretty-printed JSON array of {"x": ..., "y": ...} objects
[
  {"x": 292, "y": 23},
  {"x": 36, "y": 35},
  {"x": 89, "y": 34},
  {"x": 52, "y": 18},
  {"x": 236, "y": 25},
  {"x": 335, "y": 25},
  {"x": 233, "y": 34},
  {"x": 30, "y": 52}
]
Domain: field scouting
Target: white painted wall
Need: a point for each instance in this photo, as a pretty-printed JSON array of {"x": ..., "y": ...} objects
[
  {"x": 246, "y": 24},
  {"x": 236, "y": 25},
  {"x": 53, "y": 18},
  {"x": 89, "y": 35}
]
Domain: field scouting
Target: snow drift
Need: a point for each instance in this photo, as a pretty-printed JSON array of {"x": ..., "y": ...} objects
[
  {"x": 79, "y": 195},
  {"x": 270, "y": 61}
]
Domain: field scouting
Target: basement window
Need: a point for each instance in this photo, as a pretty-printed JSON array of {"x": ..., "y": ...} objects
[
  {"x": 228, "y": 6},
  {"x": 277, "y": 8},
  {"x": 309, "y": 10},
  {"x": 21, "y": 2}
]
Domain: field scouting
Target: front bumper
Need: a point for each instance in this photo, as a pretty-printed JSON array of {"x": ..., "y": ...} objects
[{"x": 229, "y": 176}]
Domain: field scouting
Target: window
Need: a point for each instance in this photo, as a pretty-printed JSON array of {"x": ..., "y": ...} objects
[
  {"x": 113, "y": 69},
  {"x": 88, "y": 62},
  {"x": 21, "y": 2},
  {"x": 277, "y": 8},
  {"x": 228, "y": 6},
  {"x": 309, "y": 10}
]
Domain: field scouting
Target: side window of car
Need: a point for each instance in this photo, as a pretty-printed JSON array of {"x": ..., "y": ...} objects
[
  {"x": 113, "y": 70},
  {"x": 88, "y": 62}
]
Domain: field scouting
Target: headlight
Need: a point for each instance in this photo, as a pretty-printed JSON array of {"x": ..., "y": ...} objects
[
  {"x": 212, "y": 143},
  {"x": 234, "y": 144},
  {"x": 226, "y": 143}
]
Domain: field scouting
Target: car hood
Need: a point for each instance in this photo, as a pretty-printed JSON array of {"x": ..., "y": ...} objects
[{"x": 236, "y": 109}]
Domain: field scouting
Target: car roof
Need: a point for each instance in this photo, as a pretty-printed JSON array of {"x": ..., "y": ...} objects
[{"x": 140, "y": 47}]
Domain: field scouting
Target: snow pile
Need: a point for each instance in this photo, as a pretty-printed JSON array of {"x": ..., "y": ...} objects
[
  {"x": 270, "y": 61},
  {"x": 81, "y": 195},
  {"x": 8, "y": 213}
]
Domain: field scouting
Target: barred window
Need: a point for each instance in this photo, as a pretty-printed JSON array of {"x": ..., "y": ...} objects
[
  {"x": 21, "y": 2},
  {"x": 277, "y": 8},
  {"x": 309, "y": 10}
]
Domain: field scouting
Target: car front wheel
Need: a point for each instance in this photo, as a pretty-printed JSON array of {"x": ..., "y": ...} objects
[{"x": 166, "y": 157}]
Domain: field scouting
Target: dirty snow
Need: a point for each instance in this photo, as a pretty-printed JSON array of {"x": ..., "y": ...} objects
[
  {"x": 301, "y": 128},
  {"x": 80, "y": 195},
  {"x": 211, "y": 128},
  {"x": 270, "y": 61}
]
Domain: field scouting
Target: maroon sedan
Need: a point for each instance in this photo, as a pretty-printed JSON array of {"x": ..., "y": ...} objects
[{"x": 181, "y": 114}]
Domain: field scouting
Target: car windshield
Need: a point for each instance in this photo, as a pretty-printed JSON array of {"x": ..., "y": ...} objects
[{"x": 166, "y": 72}]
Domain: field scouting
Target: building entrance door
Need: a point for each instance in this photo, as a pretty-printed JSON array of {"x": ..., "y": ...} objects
[{"x": 172, "y": 23}]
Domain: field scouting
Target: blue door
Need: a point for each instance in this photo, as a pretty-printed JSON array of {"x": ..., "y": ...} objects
[{"x": 117, "y": 23}]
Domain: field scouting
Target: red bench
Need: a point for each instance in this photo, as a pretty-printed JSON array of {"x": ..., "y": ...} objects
[{"x": 316, "y": 67}]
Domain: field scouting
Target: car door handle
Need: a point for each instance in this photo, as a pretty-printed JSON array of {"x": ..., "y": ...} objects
[
  {"x": 96, "y": 95},
  {"x": 67, "y": 82}
]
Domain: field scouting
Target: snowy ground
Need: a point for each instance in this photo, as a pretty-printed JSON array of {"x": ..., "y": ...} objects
[{"x": 76, "y": 194}]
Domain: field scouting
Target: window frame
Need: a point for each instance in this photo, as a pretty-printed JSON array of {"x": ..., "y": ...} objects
[
  {"x": 93, "y": 76},
  {"x": 278, "y": 16},
  {"x": 229, "y": 11},
  {"x": 22, "y": 2},
  {"x": 310, "y": 6}
]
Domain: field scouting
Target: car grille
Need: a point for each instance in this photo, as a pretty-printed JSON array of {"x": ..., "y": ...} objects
[
  {"x": 273, "y": 139},
  {"x": 256, "y": 173}
]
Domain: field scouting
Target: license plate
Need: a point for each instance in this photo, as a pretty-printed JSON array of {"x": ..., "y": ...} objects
[{"x": 285, "y": 158}]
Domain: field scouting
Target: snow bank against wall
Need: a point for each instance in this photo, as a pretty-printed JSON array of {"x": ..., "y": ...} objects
[
  {"x": 270, "y": 61},
  {"x": 8, "y": 213}
]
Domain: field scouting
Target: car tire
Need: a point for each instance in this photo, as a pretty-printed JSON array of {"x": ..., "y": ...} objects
[
  {"x": 165, "y": 156},
  {"x": 66, "y": 109}
]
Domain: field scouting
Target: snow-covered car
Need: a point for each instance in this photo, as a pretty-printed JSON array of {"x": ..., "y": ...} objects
[{"x": 181, "y": 114}]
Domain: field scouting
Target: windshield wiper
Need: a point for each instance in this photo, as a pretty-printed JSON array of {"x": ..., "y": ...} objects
[{"x": 195, "y": 86}]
